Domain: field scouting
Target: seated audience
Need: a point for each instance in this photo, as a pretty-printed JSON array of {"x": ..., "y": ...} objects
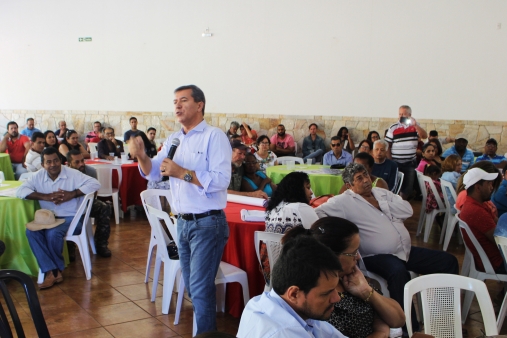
[
  {"x": 282, "y": 144},
  {"x": 236, "y": 137},
  {"x": 428, "y": 157},
  {"x": 313, "y": 145},
  {"x": 438, "y": 150},
  {"x": 336, "y": 155},
  {"x": 71, "y": 141},
  {"x": 373, "y": 136},
  {"x": 499, "y": 198},
  {"x": 384, "y": 167},
  {"x": 30, "y": 128},
  {"x": 433, "y": 135},
  {"x": 151, "y": 133},
  {"x": 362, "y": 310},
  {"x": 110, "y": 145},
  {"x": 94, "y": 135},
  {"x": 233, "y": 129},
  {"x": 149, "y": 149},
  {"x": 239, "y": 151},
  {"x": 32, "y": 159},
  {"x": 490, "y": 154},
  {"x": 501, "y": 226},
  {"x": 62, "y": 130},
  {"x": 460, "y": 148},
  {"x": 433, "y": 172},
  {"x": 385, "y": 241},
  {"x": 17, "y": 146},
  {"x": 479, "y": 186},
  {"x": 346, "y": 139},
  {"x": 60, "y": 191},
  {"x": 451, "y": 168},
  {"x": 52, "y": 142},
  {"x": 101, "y": 211},
  {"x": 133, "y": 129},
  {"x": 266, "y": 157},
  {"x": 248, "y": 135},
  {"x": 302, "y": 298},
  {"x": 254, "y": 179},
  {"x": 365, "y": 146},
  {"x": 367, "y": 161},
  {"x": 419, "y": 150}
]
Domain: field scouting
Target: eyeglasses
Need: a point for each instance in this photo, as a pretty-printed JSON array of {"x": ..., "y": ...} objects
[
  {"x": 335, "y": 145},
  {"x": 264, "y": 143},
  {"x": 361, "y": 178},
  {"x": 109, "y": 134},
  {"x": 355, "y": 254},
  {"x": 364, "y": 147}
]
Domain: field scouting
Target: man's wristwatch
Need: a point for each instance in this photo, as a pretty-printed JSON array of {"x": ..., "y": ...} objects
[{"x": 188, "y": 176}]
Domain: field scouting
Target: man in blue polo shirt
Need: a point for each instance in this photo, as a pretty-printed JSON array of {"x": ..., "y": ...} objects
[
  {"x": 490, "y": 154},
  {"x": 460, "y": 148},
  {"x": 337, "y": 155}
]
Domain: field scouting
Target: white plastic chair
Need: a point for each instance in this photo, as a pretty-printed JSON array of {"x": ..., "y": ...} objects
[
  {"x": 26, "y": 176},
  {"x": 422, "y": 213},
  {"x": 104, "y": 176},
  {"x": 489, "y": 272},
  {"x": 430, "y": 218},
  {"x": 440, "y": 295},
  {"x": 450, "y": 218},
  {"x": 92, "y": 146},
  {"x": 399, "y": 182},
  {"x": 283, "y": 160},
  {"x": 82, "y": 239},
  {"x": 273, "y": 246},
  {"x": 502, "y": 243},
  {"x": 171, "y": 266},
  {"x": 152, "y": 197}
]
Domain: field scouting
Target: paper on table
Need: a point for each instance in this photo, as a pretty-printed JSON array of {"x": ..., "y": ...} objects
[
  {"x": 259, "y": 202},
  {"x": 8, "y": 192},
  {"x": 253, "y": 215}
]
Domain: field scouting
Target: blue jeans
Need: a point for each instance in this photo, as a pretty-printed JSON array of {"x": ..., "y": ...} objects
[
  {"x": 396, "y": 271},
  {"x": 47, "y": 244},
  {"x": 317, "y": 155},
  {"x": 201, "y": 245}
]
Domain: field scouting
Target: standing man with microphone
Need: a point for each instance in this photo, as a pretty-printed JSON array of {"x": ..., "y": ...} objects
[{"x": 199, "y": 174}]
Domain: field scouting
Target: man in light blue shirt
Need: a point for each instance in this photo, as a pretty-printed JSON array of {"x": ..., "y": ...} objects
[
  {"x": 490, "y": 154},
  {"x": 30, "y": 129},
  {"x": 59, "y": 189},
  {"x": 304, "y": 281},
  {"x": 199, "y": 175},
  {"x": 337, "y": 155},
  {"x": 460, "y": 148}
]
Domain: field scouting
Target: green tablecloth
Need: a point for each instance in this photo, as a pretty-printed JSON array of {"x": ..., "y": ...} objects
[
  {"x": 6, "y": 167},
  {"x": 322, "y": 184},
  {"x": 14, "y": 214}
]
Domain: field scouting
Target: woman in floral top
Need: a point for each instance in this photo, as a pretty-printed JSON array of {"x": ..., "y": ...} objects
[{"x": 266, "y": 157}]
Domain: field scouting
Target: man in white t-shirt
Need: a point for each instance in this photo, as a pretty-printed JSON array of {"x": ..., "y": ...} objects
[{"x": 32, "y": 158}]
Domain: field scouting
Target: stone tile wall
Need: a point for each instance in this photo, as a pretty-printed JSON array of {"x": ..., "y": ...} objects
[{"x": 477, "y": 132}]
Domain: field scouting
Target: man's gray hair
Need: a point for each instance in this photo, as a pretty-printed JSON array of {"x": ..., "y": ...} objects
[
  {"x": 350, "y": 170},
  {"x": 235, "y": 124},
  {"x": 384, "y": 142}
]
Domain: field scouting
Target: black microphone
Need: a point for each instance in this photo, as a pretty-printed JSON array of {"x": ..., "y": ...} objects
[{"x": 172, "y": 150}]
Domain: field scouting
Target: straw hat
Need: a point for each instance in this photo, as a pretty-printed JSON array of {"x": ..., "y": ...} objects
[{"x": 44, "y": 219}]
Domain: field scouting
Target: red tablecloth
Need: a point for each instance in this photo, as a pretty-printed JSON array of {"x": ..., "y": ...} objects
[
  {"x": 132, "y": 184},
  {"x": 240, "y": 252}
]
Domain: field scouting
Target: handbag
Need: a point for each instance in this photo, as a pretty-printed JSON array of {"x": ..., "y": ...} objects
[{"x": 317, "y": 201}]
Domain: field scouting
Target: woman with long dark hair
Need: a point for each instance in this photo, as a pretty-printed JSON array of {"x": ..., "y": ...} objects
[
  {"x": 348, "y": 144},
  {"x": 362, "y": 310},
  {"x": 52, "y": 142},
  {"x": 71, "y": 141}
]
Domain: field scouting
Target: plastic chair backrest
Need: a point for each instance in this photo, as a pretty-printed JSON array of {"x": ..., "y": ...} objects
[
  {"x": 399, "y": 182},
  {"x": 84, "y": 209},
  {"x": 33, "y": 303},
  {"x": 154, "y": 217},
  {"x": 105, "y": 177},
  {"x": 440, "y": 296},
  {"x": 152, "y": 197},
  {"x": 433, "y": 188},
  {"x": 482, "y": 254},
  {"x": 420, "y": 180},
  {"x": 273, "y": 246},
  {"x": 450, "y": 190},
  {"x": 283, "y": 160},
  {"x": 92, "y": 146},
  {"x": 26, "y": 176}
]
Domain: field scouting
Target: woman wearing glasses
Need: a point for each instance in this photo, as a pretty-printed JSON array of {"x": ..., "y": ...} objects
[
  {"x": 71, "y": 141},
  {"x": 254, "y": 179},
  {"x": 362, "y": 310},
  {"x": 266, "y": 157}
]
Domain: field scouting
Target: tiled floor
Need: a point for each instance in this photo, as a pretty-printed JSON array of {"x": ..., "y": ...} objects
[{"x": 116, "y": 301}]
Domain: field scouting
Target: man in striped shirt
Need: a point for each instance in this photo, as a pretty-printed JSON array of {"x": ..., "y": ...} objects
[{"x": 402, "y": 139}]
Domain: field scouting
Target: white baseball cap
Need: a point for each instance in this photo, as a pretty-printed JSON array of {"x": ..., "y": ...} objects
[{"x": 474, "y": 175}]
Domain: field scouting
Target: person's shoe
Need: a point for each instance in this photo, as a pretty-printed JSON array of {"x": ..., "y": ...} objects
[
  {"x": 59, "y": 277},
  {"x": 49, "y": 281},
  {"x": 103, "y": 251}
]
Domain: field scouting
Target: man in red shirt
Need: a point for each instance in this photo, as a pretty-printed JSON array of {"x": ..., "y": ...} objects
[
  {"x": 94, "y": 135},
  {"x": 479, "y": 217},
  {"x": 17, "y": 146}
]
